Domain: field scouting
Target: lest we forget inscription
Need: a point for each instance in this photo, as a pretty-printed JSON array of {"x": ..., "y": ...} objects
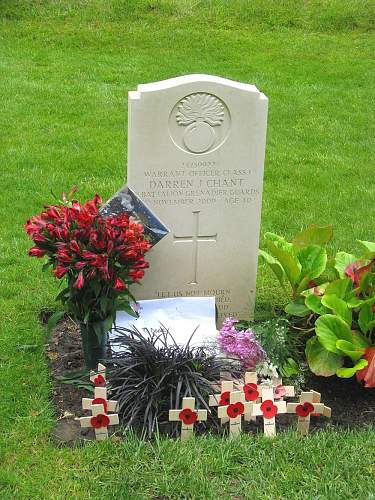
[{"x": 195, "y": 157}]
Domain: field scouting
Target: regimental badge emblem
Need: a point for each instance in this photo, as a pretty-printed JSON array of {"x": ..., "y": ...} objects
[{"x": 202, "y": 121}]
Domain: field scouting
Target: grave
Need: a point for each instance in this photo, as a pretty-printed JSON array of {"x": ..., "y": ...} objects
[{"x": 195, "y": 157}]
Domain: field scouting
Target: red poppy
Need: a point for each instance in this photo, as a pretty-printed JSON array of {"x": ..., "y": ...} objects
[
  {"x": 304, "y": 409},
  {"x": 99, "y": 421},
  {"x": 101, "y": 401},
  {"x": 367, "y": 374},
  {"x": 279, "y": 392},
  {"x": 251, "y": 392},
  {"x": 224, "y": 398},
  {"x": 268, "y": 408},
  {"x": 99, "y": 381},
  {"x": 188, "y": 416},
  {"x": 235, "y": 409}
]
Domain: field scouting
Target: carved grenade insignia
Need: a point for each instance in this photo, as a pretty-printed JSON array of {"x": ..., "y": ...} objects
[{"x": 200, "y": 113}]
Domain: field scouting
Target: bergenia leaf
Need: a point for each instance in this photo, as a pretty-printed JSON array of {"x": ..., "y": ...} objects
[
  {"x": 297, "y": 308},
  {"x": 340, "y": 288},
  {"x": 313, "y": 235},
  {"x": 339, "y": 307},
  {"x": 313, "y": 260},
  {"x": 329, "y": 329},
  {"x": 349, "y": 372},
  {"x": 280, "y": 242},
  {"x": 322, "y": 362},
  {"x": 288, "y": 260},
  {"x": 314, "y": 302},
  {"x": 274, "y": 265},
  {"x": 350, "y": 350}
]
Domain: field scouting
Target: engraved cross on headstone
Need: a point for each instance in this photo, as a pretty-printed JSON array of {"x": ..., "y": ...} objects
[{"x": 195, "y": 238}]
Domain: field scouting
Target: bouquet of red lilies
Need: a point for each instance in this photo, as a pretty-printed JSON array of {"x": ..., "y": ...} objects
[{"x": 99, "y": 257}]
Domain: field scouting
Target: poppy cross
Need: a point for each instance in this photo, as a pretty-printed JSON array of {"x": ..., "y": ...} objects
[
  {"x": 98, "y": 377},
  {"x": 309, "y": 404},
  {"x": 100, "y": 392},
  {"x": 223, "y": 398},
  {"x": 268, "y": 409},
  {"x": 99, "y": 421},
  {"x": 252, "y": 392},
  {"x": 236, "y": 408},
  {"x": 100, "y": 397},
  {"x": 188, "y": 416}
]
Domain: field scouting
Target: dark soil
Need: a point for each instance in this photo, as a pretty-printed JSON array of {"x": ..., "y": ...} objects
[{"x": 352, "y": 405}]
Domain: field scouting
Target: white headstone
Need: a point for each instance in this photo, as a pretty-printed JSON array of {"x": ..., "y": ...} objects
[{"x": 196, "y": 155}]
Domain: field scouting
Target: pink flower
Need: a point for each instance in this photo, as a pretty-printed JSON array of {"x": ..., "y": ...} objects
[
  {"x": 242, "y": 344},
  {"x": 279, "y": 391}
]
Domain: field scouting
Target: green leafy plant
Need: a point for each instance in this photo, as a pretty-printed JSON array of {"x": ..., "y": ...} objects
[
  {"x": 300, "y": 263},
  {"x": 346, "y": 318},
  {"x": 151, "y": 373}
]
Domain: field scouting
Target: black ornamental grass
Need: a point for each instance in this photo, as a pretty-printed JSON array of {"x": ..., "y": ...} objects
[{"x": 152, "y": 374}]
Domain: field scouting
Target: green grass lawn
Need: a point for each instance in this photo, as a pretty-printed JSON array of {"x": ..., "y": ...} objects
[{"x": 66, "y": 67}]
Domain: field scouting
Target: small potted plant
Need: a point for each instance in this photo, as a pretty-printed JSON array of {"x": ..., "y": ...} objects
[{"x": 99, "y": 257}]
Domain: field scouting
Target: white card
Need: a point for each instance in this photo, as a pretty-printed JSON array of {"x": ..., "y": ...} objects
[{"x": 180, "y": 315}]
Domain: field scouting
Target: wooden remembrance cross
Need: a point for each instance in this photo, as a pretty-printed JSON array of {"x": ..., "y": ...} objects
[
  {"x": 99, "y": 380},
  {"x": 99, "y": 421},
  {"x": 234, "y": 411},
  {"x": 268, "y": 409},
  {"x": 309, "y": 404},
  {"x": 195, "y": 239},
  {"x": 223, "y": 398},
  {"x": 188, "y": 416}
]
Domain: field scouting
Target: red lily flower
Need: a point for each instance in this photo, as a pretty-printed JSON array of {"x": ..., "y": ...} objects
[
  {"x": 367, "y": 374},
  {"x": 188, "y": 416},
  {"x": 224, "y": 398},
  {"x": 235, "y": 409},
  {"x": 304, "y": 409},
  {"x": 74, "y": 246},
  {"x": 268, "y": 408},
  {"x": 79, "y": 281},
  {"x": 36, "y": 252},
  {"x": 100, "y": 421},
  {"x": 101, "y": 401},
  {"x": 251, "y": 392},
  {"x": 100, "y": 381},
  {"x": 137, "y": 274},
  {"x": 119, "y": 285},
  {"x": 60, "y": 271}
]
